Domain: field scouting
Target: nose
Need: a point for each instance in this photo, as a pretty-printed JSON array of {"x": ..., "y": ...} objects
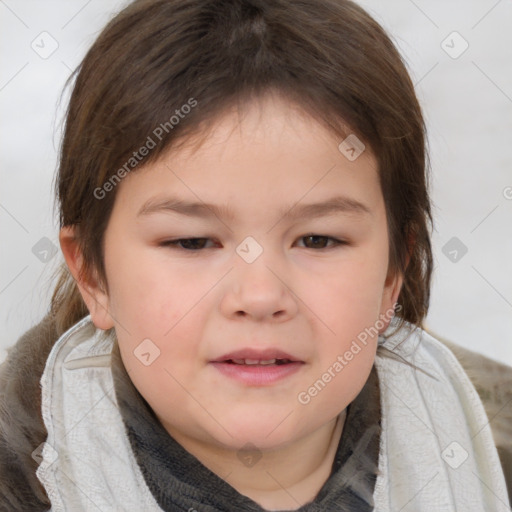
[{"x": 258, "y": 292}]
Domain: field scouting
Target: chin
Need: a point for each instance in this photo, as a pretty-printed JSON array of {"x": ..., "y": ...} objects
[
  {"x": 262, "y": 432},
  {"x": 256, "y": 442}
]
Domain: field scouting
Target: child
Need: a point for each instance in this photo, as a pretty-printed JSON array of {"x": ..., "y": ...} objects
[{"x": 245, "y": 222}]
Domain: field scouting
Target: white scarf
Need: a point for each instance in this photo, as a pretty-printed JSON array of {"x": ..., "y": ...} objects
[{"x": 437, "y": 453}]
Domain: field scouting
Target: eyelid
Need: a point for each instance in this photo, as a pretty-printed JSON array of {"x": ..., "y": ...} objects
[
  {"x": 174, "y": 243},
  {"x": 335, "y": 242}
]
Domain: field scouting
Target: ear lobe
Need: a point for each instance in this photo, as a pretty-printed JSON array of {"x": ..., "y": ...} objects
[
  {"x": 94, "y": 296},
  {"x": 390, "y": 294},
  {"x": 393, "y": 285},
  {"x": 395, "y": 288}
]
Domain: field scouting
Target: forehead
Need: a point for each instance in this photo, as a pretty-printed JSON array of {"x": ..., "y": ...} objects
[
  {"x": 272, "y": 117},
  {"x": 267, "y": 155}
]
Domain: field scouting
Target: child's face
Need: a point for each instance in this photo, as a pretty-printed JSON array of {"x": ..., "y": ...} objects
[{"x": 297, "y": 296}]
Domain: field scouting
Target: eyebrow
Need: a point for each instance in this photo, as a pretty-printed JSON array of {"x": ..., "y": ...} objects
[{"x": 331, "y": 206}]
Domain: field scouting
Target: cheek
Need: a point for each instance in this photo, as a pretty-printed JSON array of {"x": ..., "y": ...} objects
[
  {"x": 151, "y": 299},
  {"x": 351, "y": 294},
  {"x": 349, "y": 309},
  {"x": 147, "y": 290}
]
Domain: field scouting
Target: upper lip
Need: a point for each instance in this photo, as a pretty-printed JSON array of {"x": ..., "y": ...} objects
[{"x": 257, "y": 354}]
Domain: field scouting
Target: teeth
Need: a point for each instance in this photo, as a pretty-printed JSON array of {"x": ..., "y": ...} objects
[{"x": 254, "y": 361}]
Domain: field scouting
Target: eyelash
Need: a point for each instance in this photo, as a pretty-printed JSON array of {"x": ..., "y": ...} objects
[{"x": 175, "y": 243}]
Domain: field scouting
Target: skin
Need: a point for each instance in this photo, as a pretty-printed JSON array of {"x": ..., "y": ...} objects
[{"x": 308, "y": 299}]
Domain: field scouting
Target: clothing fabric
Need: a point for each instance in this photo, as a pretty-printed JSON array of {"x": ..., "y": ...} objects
[
  {"x": 21, "y": 424},
  {"x": 437, "y": 450},
  {"x": 178, "y": 481},
  {"x": 431, "y": 419},
  {"x": 87, "y": 461},
  {"x": 22, "y": 430}
]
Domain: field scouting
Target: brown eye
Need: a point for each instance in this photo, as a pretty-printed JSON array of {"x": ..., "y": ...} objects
[
  {"x": 320, "y": 241},
  {"x": 188, "y": 244}
]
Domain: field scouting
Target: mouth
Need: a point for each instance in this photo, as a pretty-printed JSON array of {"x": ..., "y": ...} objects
[
  {"x": 258, "y": 367},
  {"x": 263, "y": 357},
  {"x": 254, "y": 362}
]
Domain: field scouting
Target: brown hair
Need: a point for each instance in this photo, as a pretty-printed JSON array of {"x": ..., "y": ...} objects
[{"x": 327, "y": 56}]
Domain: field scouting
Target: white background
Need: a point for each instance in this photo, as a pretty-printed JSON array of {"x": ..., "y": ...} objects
[{"x": 467, "y": 103}]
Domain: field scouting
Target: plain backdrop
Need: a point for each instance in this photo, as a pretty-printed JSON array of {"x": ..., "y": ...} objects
[{"x": 460, "y": 58}]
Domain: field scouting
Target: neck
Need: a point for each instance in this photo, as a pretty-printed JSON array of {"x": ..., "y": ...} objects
[{"x": 285, "y": 478}]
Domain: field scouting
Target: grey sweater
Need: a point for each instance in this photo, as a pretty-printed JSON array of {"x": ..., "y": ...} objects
[{"x": 168, "y": 468}]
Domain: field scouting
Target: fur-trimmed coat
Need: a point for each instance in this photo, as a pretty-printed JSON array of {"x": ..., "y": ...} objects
[{"x": 22, "y": 430}]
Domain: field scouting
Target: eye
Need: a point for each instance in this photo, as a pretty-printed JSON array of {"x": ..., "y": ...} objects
[
  {"x": 312, "y": 241},
  {"x": 320, "y": 241},
  {"x": 187, "y": 244}
]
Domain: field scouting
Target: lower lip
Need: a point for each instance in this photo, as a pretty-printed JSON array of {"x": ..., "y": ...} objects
[{"x": 258, "y": 375}]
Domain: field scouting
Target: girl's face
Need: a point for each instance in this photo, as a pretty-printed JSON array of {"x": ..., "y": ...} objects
[{"x": 289, "y": 259}]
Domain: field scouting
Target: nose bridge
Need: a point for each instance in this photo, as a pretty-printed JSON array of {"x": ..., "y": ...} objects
[{"x": 258, "y": 287}]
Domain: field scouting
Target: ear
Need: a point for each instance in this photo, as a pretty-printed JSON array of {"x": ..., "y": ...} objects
[
  {"x": 392, "y": 287},
  {"x": 390, "y": 293},
  {"x": 92, "y": 292}
]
